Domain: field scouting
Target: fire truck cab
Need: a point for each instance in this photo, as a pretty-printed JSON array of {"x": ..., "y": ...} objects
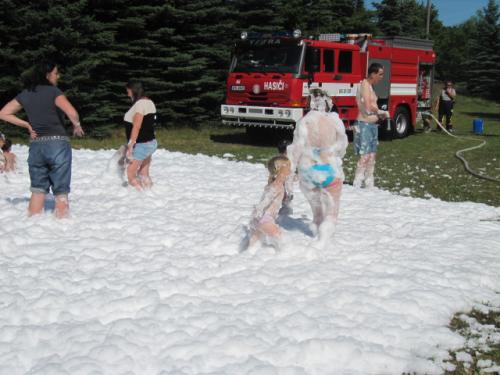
[{"x": 271, "y": 74}]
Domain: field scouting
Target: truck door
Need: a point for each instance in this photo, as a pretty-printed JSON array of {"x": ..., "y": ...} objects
[
  {"x": 312, "y": 68},
  {"x": 383, "y": 88}
]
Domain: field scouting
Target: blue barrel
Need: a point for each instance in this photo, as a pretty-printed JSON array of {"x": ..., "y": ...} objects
[{"x": 477, "y": 125}]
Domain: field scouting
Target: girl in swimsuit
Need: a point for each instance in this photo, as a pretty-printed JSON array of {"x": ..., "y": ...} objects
[{"x": 263, "y": 223}]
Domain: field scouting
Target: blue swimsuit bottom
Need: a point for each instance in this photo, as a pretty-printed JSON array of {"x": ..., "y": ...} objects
[{"x": 320, "y": 175}]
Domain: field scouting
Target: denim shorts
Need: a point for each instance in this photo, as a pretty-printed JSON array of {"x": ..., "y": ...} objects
[
  {"x": 365, "y": 138},
  {"x": 49, "y": 163},
  {"x": 144, "y": 150}
]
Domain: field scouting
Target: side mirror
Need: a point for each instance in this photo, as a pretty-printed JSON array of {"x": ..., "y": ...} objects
[{"x": 310, "y": 78}]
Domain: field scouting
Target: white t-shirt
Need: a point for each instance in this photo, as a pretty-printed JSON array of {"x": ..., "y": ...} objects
[{"x": 142, "y": 106}]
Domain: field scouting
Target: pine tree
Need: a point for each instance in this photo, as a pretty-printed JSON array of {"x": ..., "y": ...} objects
[
  {"x": 139, "y": 49},
  {"x": 389, "y": 17},
  {"x": 50, "y": 29},
  {"x": 451, "y": 51},
  {"x": 405, "y": 18},
  {"x": 484, "y": 61},
  {"x": 258, "y": 16}
]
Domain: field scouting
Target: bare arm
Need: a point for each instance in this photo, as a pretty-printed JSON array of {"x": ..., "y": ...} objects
[
  {"x": 136, "y": 127},
  {"x": 64, "y": 105},
  {"x": 8, "y": 114}
]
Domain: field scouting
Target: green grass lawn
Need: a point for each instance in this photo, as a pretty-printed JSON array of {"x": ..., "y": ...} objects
[
  {"x": 486, "y": 325},
  {"x": 421, "y": 165}
]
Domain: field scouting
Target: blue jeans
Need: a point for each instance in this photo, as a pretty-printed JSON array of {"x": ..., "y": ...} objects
[{"x": 49, "y": 164}]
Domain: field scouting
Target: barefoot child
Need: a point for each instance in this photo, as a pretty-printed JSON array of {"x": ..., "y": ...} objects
[
  {"x": 3, "y": 161},
  {"x": 286, "y": 208},
  {"x": 263, "y": 225},
  {"x": 10, "y": 157}
]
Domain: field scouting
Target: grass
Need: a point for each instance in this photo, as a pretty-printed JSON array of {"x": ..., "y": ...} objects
[
  {"x": 482, "y": 349},
  {"x": 421, "y": 165}
]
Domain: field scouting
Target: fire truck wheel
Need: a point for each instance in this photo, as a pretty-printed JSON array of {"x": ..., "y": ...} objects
[{"x": 401, "y": 122}]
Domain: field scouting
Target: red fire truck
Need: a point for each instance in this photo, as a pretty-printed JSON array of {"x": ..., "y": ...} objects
[{"x": 271, "y": 74}]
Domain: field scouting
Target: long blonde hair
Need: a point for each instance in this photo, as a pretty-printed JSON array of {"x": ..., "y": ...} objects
[{"x": 275, "y": 165}]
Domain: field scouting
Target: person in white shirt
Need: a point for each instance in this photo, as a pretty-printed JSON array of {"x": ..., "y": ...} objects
[{"x": 139, "y": 129}]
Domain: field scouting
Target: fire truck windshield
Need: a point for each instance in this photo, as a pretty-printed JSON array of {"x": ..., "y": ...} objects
[{"x": 267, "y": 55}]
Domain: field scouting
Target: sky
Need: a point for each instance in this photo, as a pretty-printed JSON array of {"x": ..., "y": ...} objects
[{"x": 452, "y": 12}]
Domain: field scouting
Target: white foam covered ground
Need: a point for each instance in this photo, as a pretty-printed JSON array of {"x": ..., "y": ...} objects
[{"x": 153, "y": 283}]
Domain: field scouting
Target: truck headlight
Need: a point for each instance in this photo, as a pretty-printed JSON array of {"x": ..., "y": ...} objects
[
  {"x": 280, "y": 113},
  {"x": 288, "y": 113},
  {"x": 231, "y": 110},
  {"x": 224, "y": 109}
]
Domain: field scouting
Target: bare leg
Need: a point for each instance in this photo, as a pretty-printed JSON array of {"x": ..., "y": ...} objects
[
  {"x": 62, "y": 206},
  {"x": 313, "y": 196},
  {"x": 267, "y": 233},
  {"x": 132, "y": 169},
  {"x": 36, "y": 204},
  {"x": 269, "y": 229},
  {"x": 334, "y": 190},
  {"x": 144, "y": 173},
  {"x": 359, "y": 175},
  {"x": 370, "y": 169},
  {"x": 270, "y": 234}
]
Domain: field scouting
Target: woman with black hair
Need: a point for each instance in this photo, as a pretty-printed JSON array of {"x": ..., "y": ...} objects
[
  {"x": 139, "y": 129},
  {"x": 49, "y": 157}
]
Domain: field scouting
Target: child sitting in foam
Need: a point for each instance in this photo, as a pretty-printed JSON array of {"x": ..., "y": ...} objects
[{"x": 263, "y": 223}]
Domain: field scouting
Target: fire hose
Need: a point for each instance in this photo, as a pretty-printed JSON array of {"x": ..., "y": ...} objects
[{"x": 459, "y": 153}]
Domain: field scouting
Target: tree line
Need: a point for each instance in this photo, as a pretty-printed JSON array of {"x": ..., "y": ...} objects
[{"x": 181, "y": 49}]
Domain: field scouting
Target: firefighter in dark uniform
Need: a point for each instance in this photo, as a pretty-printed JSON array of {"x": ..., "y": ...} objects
[{"x": 445, "y": 103}]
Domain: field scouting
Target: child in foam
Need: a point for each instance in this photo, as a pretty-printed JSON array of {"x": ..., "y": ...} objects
[
  {"x": 10, "y": 157},
  {"x": 263, "y": 223},
  {"x": 3, "y": 160},
  {"x": 319, "y": 144},
  {"x": 286, "y": 208},
  {"x": 319, "y": 100}
]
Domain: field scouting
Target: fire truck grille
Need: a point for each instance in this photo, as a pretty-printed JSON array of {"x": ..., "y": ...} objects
[{"x": 262, "y": 97}]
